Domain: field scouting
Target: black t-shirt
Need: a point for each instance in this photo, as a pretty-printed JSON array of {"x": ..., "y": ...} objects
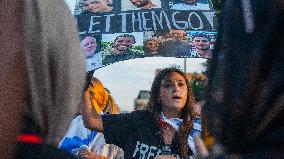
[{"x": 137, "y": 133}]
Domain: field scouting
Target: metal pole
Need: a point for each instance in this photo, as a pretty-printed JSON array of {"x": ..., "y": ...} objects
[{"x": 184, "y": 65}]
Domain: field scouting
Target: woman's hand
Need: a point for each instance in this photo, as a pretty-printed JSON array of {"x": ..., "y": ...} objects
[
  {"x": 87, "y": 154},
  {"x": 92, "y": 120},
  {"x": 165, "y": 157},
  {"x": 200, "y": 147}
]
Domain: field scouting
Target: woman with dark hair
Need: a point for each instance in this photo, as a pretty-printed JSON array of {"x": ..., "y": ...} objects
[{"x": 163, "y": 130}]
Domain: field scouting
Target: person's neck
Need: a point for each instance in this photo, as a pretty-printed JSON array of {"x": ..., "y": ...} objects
[
  {"x": 203, "y": 53},
  {"x": 91, "y": 56},
  {"x": 171, "y": 113},
  {"x": 153, "y": 53}
]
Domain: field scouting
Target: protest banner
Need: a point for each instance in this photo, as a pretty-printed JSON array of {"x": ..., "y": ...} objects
[{"x": 118, "y": 30}]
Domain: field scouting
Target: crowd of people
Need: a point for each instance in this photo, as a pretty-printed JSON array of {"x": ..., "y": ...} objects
[{"x": 43, "y": 81}]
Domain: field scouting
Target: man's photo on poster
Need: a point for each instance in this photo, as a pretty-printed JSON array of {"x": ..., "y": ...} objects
[
  {"x": 202, "y": 43},
  {"x": 90, "y": 45},
  {"x": 139, "y": 4},
  {"x": 190, "y": 4},
  {"x": 122, "y": 46}
]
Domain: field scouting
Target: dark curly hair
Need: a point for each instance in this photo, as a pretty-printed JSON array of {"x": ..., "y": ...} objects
[
  {"x": 187, "y": 113},
  {"x": 125, "y": 35}
]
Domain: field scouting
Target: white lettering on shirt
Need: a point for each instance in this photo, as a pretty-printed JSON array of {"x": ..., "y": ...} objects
[{"x": 144, "y": 151}]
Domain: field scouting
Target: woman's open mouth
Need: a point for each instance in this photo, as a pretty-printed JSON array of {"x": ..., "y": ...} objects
[{"x": 176, "y": 98}]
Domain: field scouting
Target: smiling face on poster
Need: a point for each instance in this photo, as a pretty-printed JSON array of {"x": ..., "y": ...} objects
[
  {"x": 90, "y": 45},
  {"x": 191, "y": 5},
  {"x": 97, "y": 6},
  {"x": 131, "y": 29},
  {"x": 119, "y": 47},
  {"x": 123, "y": 43},
  {"x": 139, "y": 4}
]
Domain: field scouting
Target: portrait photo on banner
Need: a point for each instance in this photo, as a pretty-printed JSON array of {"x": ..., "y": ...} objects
[
  {"x": 122, "y": 46},
  {"x": 202, "y": 43},
  {"x": 114, "y": 30},
  {"x": 174, "y": 44},
  {"x": 93, "y": 6},
  {"x": 91, "y": 46},
  {"x": 139, "y": 4},
  {"x": 190, "y": 4}
]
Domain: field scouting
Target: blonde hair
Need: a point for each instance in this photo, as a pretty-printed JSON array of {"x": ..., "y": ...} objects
[{"x": 99, "y": 98}]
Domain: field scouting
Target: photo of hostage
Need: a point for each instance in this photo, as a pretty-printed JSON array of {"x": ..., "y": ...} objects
[
  {"x": 202, "y": 46},
  {"x": 87, "y": 144},
  {"x": 166, "y": 129},
  {"x": 93, "y": 57},
  {"x": 191, "y": 5},
  {"x": 121, "y": 49},
  {"x": 151, "y": 46},
  {"x": 127, "y": 5},
  {"x": 97, "y": 6},
  {"x": 176, "y": 45},
  {"x": 143, "y": 4}
]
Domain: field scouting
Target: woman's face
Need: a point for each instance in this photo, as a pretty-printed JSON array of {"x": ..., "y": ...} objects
[
  {"x": 95, "y": 5},
  {"x": 173, "y": 92}
]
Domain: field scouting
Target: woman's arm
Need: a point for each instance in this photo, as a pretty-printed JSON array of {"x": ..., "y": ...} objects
[{"x": 92, "y": 120}]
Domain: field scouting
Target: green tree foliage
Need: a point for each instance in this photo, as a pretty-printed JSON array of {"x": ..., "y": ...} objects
[
  {"x": 105, "y": 45},
  {"x": 138, "y": 47}
]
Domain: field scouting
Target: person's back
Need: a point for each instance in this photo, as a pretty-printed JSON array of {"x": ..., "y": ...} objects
[
  {"x": 12, "y": 85},
  {"x": 42, "y": 74},
  {"x": 247, "y": 71}
]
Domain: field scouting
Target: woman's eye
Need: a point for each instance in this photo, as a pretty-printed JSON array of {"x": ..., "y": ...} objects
[{"x": 181, "y": 84}]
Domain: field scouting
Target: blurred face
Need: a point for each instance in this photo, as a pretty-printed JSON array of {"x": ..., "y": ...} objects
[
  {"x": 152, "y": 45},
  {"x": 201, "y": 43},
  {"x": 173, "y": 92},
  {"x": 138, "y": 3},
  {"x": 95, "y": 5},
  {"x": 123, "y": 43},
  {"x": 89, "y": 46},
  {"x": 177, "y": 34}
]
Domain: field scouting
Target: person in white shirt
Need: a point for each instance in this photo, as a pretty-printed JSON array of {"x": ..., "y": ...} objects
[{"x": 93, "y": 57}]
